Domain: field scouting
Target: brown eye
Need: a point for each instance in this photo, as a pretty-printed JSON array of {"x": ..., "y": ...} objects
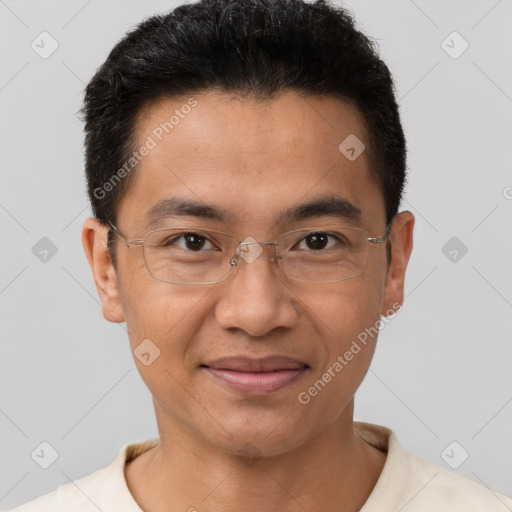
[
  {"x": 317, "y": 241},
  {"x": 191, "y": 241}
]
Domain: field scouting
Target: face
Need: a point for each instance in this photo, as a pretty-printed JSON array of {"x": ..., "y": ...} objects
[{"x": 253, "y": 161}]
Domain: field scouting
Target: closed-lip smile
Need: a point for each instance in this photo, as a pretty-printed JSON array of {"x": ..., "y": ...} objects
[{"x": 256, "y": 376}]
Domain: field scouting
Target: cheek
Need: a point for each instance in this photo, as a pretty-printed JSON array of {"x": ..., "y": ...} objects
[
  {"x": 161, "y": 328},
  {"x": 168, "y": 315},
  {"x": 347, "y": 318},
  {"x": 342, "y": 310}
]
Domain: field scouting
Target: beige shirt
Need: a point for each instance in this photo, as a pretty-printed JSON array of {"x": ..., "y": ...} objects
[{"x": 408, "y": 483}]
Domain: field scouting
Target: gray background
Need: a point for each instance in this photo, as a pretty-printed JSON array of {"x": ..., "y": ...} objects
[{"x": 441, "y": 372}]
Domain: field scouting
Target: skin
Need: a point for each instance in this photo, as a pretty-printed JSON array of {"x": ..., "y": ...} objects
[{"x": 254, "y": 159}]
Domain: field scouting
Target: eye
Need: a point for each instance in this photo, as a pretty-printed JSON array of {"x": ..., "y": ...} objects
[
  {"x": 191, "y": 241},
  {"x": 319, "y": 240}
]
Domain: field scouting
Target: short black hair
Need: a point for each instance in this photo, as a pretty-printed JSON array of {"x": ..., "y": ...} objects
[{"x": 253, "y": 48}]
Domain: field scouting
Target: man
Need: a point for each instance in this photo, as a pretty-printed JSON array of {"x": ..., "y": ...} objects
[{"x": 245, "y": 164}]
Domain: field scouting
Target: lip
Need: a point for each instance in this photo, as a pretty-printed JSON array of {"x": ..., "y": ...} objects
[{"x": 256, "y": 376}]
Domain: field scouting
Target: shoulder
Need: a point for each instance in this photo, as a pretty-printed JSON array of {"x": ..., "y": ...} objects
[
  {"x": 105, "y": 489},
  {"x": 413, "y": 483},
  {"x": 77, "y": 496},
  {"x": 432, "y": 487}
]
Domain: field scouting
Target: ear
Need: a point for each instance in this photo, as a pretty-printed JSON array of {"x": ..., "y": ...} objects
[
  {"x": 401, "y": 246},
  {"x": 94, "y": 240}
]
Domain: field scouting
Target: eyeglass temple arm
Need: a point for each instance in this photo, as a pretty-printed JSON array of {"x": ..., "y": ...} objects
[
  {"x": 128, "y": 242},
  {"x": 383, "y": 238}
]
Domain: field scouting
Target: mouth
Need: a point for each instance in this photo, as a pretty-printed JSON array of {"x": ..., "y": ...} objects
[{"x": 256, "y": 376}]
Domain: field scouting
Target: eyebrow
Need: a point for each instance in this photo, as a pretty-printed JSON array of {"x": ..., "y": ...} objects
[{"x": 331, "y": 206}]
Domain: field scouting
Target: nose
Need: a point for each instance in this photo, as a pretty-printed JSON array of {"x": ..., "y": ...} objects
[{"x": 256, "y": 298}]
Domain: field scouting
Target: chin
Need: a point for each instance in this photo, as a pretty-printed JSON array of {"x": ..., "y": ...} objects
[{"x": 262, "y": 435}]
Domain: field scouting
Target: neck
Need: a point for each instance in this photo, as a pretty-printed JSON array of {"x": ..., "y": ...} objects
[{"x": 334, "y": 471}]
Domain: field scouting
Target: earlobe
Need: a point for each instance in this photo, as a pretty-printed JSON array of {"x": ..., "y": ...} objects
[
  {"x": 94, "y": 241},
  {"x": 401, "y": 247}
]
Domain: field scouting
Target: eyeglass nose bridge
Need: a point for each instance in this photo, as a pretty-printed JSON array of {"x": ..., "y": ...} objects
[{"x": 247, "y": 243}]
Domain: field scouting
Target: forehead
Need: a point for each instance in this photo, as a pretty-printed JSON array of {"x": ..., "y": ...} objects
[{"x": 251, "y": 157}]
